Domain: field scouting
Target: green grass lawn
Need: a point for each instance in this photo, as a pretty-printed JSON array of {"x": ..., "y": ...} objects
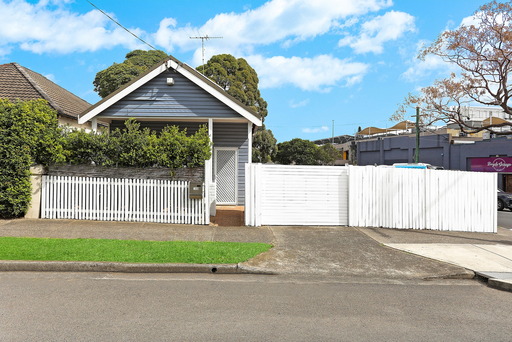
[{"x": 13, "y": 248}]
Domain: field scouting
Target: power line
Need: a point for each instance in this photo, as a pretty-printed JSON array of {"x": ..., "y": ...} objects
[{"x": 119, "y": 24}]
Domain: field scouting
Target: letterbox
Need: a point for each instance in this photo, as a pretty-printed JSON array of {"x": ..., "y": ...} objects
[{"x": 195, "y": 190}]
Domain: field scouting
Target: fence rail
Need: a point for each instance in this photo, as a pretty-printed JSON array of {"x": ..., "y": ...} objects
[{"x": 112, "y": 199}]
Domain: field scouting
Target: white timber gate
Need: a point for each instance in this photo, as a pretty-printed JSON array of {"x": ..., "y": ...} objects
[{"x": 296, "y": 195}]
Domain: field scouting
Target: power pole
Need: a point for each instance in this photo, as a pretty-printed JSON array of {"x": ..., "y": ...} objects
[
  {"x": 332, "y": 136},
  {"x": 417, "y": 151},
  {"x": 203, "y": 38}
]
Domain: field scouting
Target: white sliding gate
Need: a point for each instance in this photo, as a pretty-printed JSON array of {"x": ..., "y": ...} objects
[
  {"x": 296, "y": 195},
  {"x": 113, "y": 199},
  {"x": 369, "y": 196}
]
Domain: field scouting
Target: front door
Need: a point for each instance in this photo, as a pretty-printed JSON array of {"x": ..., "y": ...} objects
[{"x": 226, "y": 175}]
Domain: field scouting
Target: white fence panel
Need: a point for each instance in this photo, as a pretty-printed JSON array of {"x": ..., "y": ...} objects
[
  {"x": 422, "y": 199},
  {"x": 368, "y": 196},
  {"x": 296, "y": 195},
  {"x": 110, "y": 199}
]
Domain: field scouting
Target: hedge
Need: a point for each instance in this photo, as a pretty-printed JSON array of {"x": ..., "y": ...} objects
[{"x": 29, "y": 134}]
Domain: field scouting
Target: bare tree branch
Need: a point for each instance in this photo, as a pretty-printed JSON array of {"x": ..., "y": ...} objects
[{"x": 482, "y": 51}]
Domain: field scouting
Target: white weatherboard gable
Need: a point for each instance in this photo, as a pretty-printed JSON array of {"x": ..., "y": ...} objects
[{"x": 183, "y": 71}]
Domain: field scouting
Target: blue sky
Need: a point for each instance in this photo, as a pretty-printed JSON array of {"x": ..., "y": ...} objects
[{"x": 351, "y": 61}]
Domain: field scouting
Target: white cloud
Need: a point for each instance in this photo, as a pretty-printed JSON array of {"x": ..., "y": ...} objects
[
  {"x": 49, "y": 26},
  {"x": 42, "y": 27},
  {"x": 315, "y": 130},
  {"x": 285, "y": 21},
  {"x": 298, "y": 104},
  {"x": 420, "y": 69},
  {"x": 312, "y": 74},
  {"x": 376, "y": 32}
]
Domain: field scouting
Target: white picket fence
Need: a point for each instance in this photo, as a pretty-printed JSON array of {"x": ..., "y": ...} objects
[
  {"x": 109, "y": 199},
  {"x": 368, "y": 196}
]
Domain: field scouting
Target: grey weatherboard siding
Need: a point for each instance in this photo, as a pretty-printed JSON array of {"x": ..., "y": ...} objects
[
  {"x": 234, "y": 135},
  {"x": 157, "y": 99}
]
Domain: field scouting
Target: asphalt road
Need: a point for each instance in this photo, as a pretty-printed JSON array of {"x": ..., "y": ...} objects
[
  {"x": 505, "y": 219},
  {"x": 160, "y": 307}
]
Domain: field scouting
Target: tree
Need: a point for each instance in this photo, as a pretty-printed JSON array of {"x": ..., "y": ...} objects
[
  {"x": 328, "y": 154},
  {"x": 304, "y": 152},
  {"x": 137, "y": 62},
  {"x": 238, "y": 79},
  {"x": 482, "y": 52},
  {"x": 264, "y": 146}
]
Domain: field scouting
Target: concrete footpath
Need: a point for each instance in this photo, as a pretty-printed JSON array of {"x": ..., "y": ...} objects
[
  {"x": 348, "y": 252},
  {"x": 488, "y": 255}
]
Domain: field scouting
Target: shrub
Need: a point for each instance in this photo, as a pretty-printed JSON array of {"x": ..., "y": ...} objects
[
  {"x": 137, "y": 147},
  {"x": 29, "y": 133},
  {"x": 86, "y": 148}
]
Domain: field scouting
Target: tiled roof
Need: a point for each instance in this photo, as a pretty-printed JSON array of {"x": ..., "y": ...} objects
[{"x": 17, "y": 82}]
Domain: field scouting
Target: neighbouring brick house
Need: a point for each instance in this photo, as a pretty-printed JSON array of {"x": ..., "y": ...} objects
[{"x": 18, "y": 82}]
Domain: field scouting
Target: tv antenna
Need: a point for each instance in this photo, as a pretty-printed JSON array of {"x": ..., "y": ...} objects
[{"x": 203, "y": 38}]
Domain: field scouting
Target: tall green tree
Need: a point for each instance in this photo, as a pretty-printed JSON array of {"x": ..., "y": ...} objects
[
  {"x": 264, "y": 146},
  {"x": 137, "y": 62},
  {"x": 238, "y": 79}
]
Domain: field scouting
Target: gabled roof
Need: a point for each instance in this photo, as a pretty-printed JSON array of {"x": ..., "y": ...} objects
[
  {"x": 190, "y": 73},
  {"x": 18, "y": 82}
]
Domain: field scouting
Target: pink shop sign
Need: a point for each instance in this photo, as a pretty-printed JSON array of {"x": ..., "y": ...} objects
[{"x": 494, "y": 164}]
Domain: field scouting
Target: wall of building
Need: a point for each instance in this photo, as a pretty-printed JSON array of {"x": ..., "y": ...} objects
[
  {"x": 437, "y": 150},
  {"x": 234, "y": 135},
  {"x": 157, "y": 99}
]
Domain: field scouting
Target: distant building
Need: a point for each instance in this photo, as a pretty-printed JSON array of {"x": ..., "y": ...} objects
[
  {"x": 20, "y": 83},
  {"x": 482, "y": 116},
  {"x": 445, "y": 150}
]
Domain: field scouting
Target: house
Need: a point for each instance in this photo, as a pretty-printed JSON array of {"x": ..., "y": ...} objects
[
  {"x": 173, "y": 93},
  {"x": 18, "y": 82}
]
